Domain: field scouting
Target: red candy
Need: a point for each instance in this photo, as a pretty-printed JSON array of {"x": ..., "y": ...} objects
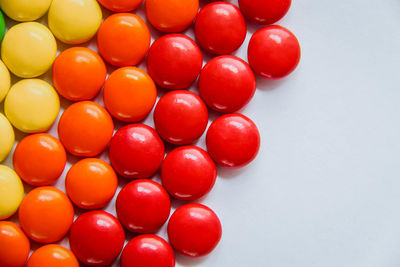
[
  {"x": 220, "y": 28},
  {"x": 274, "y": 52},
  {"x": 264, "y": 11},
  {"x": 96, "y": 238},
  {"x": 147, "y": 251},
  {"x": 174, "y": 61},
  {"x": 121, "y": 5},
  {"x": 136, "y": 151},
  {"x": 180, "y": 117},
  {"x": 188, "y": 173},
  {"x": 194, "y": 230},
  {"x": 227, "y": 84},
  {"x": 143, "y": 206},
  {"x": 233, "y": 140}
]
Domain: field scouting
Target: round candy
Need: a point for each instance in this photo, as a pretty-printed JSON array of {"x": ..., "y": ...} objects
[
  {"x": 6, "y": 137},
  {"x": 180, "y": 117},
  {"x": 220, "y": 28},
  {"x": 39, "y": 159},
  {"x": 96, "y": 238},
  {"x": 32, "y": 105},
  {"x": 91, "y": 183},
  {"x": 264, "y": 11},
  {"x": 123, "y": 39},
  {"x": 274, "y": 52},
  {"x": 11, "y": 192},
  {"x": 52, "y": 255},
  {"x": 129, "y": 94},
  {"x": 46, "y": 214},
  {"x": 143, "y": 206},
  {"x": 171, "y": 15},
  {"x": 233, "y": 140},
  {"x": 147, "y": 251},
  {"x": 85, "y": 128},
  {"x": 25, "y": 10},
  {"x": 2, "y": 25},
  {"x": 227, "y": 84},
  {"x": 74, "y": 21},
  {"x": 136, "y": 151},
  {"x": 32, "y": 62},
  {"x": 194, "y": 230},
  {"x": 14, "y": 245},
  {"x": 188, "y": 173},
  {"x": 4, "y": 80},
  {"x": 79, "y": 73},
  {"x": 174, "y": 61},
  {"x": 121, "y": 5}
]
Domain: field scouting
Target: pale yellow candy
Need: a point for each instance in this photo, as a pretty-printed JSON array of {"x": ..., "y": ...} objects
[
  {"x": 6, "y": 137},
  {"x": 11, "y": 192},
  {"x": 25, "y": 10},
  {"x": 28, "y": 49},
  {"x": 4, "y": 81},
  {"x": 74, "y": 21},
  {"x": 32, "y": 105}
]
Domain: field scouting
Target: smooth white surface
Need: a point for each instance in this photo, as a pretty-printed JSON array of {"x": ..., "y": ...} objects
[{"x": 324, "y": 190}]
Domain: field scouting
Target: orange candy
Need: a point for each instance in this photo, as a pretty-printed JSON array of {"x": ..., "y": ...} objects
[
  {"x": 91, "y": 183},
  {"x": 52, "y": 255},
  {"x": 39, "y": 159},
  {"x": 123, "y": 39},
  {"x": 14, "y": 245},
  {"x": 171, "y": 15},
  {"x": 129, "y": 94},
  {"x": 79, "y": 73},
  {"x": 85, "y": 128},
  {"x": 120, "y": 5},
  {"x": 46, "y": 214}
]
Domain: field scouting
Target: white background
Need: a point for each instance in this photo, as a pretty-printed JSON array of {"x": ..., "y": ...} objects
[{"x": 324, "y": 190}]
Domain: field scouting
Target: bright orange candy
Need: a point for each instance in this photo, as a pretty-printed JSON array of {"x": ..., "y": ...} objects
[
  {"x": 123, "y": 39},
  {"x": 120, "y": 5},
  {"x": 46, "y": 214},
  {"x": 52, "y": 255},
  {"x": 171, "y": 15},
  {"x": 85, "y": 128},
  {"x": 129, "y": 94},
  {"x": 91, "y": 183},
  {"x": 79, "y": 73},
  {"x": 39, "y": 159},
  {"x": 14, "y": 245}
]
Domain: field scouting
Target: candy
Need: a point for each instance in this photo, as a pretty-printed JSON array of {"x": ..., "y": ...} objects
[
  {"x": 220, "y": 28},
  {"x": 14, "y": 245},
  {"x": 227, "y": 84},
  {"x": 123, "y": 39},
  {"x": 180, "y": 117},
  {"x": 4, "y": 81},
  {"x": 74, "y": 21},
  {"x": 233, "y": 140},
  {"x": 129, "y": 94},
  {"x": 188, "y": 173},
  {"x": 91, "y": 183},
  {"x": 2, "y": 26},
  {"x": 46, "y": 214},
  {"x": 11, "y": 192},
  {"x": 264, "y": 11},
  {"x": 52, "y": 255},
  {"x": 120, "y": 5},
  {"x": 79, "y": 73},
  {"x": 32, "y": 62},
  {"x": 25, "y": 10},
  {"x": 39, "y": 159},
  {"x": 6, "y": 137},
  {"x": 32, "y": 105},
  {"x": 143, "y": 206}
]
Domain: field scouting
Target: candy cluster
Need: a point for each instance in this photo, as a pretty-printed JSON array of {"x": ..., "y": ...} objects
[{"x": 136, "y": 151}]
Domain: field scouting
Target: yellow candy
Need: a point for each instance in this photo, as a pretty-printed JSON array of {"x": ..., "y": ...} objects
[
  {"x": 32, "y": 105},
  {"x": 11, "y": 192},
  {"x": 74, "y": 21},
  {"x": 25, "y": 10},
  {"x": 28, "y": 49},
  {"x": 6, "y": 137},
  {"x": 4, "y": 81}
]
